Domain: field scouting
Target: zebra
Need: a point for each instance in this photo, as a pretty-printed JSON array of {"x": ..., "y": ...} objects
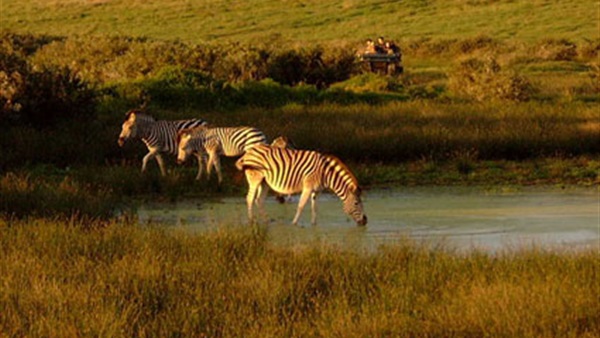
[
  {"x": 289, "y": 171},
  {"x": 283, "y": 142},
  {"x": 229, "y": 141},
  {"x": 159, "y": 136}
]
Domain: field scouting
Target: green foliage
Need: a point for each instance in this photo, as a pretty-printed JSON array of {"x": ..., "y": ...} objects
[
  {"x": 118, "y": 59},
  {"x": 484, "y": 79},
  {"x": 41, "y": 97},
  {"x": 368, "y": 82}
]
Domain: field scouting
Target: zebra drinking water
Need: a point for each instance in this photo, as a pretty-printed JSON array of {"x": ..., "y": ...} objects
[
  {"x": 159, "y": 136},
  {"x": 289, "y": 171},
  {"x": 233, "y": 141}
]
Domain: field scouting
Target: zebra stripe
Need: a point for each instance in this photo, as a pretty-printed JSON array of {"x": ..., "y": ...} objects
[
  {"x": 230, "y": 142},
  {"x": 158, "y": 136},
  {"x": 289, "y": 171}
]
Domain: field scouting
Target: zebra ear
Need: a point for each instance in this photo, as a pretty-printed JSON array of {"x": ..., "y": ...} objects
[
  {"x": 183, "y": 135},
  {"x": 131, "y": 115}
]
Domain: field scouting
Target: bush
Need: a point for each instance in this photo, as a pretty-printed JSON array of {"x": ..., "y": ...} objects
[
  {"x": 428, "y": 47},
  {"x": 484, "y": 79},
  {"x": 589, "y": 50},
  {"x": 239, "y": 63},
  {"x": 41, "y": 97},
  {"x": 118, "y": 59},
  {"x": 55, "y": 95},
  {"x": 556, "y": 50},
  {"x": 176, "y": 88},
  {"x": 369, "y": 82},
  {"x": 24, "y": 44}
]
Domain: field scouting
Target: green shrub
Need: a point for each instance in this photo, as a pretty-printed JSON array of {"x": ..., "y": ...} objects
[
  {"x": 429, "y": 47},
  {"x": 242, "y": 63},
  {"x": 484, "y": 79},
  {"x": 24, "y": 44},
  {"x": 118, "y": 59},
  {"x": 369, "y": 82},
  {"x": 43, "y": 96},
  {"x": 176, "y": 88}
]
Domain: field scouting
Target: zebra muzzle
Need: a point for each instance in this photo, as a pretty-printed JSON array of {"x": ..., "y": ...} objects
[{"x": 363, "y": 221}]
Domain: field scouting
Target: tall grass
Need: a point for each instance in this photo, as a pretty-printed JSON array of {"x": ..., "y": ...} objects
[
  {"x": 124, "y": 280},
  {"x": 397, "y": 132},
  {"x": 24, "y": 196}
]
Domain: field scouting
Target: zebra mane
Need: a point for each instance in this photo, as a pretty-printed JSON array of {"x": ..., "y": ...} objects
[
  {"x": 337, "y": 162},
  {"x": 190, "y": 131},
  {"x": 139, "y": 114}
]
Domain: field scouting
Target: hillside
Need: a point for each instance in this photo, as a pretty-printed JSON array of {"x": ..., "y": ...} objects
[{"x": 305, "y": 20}]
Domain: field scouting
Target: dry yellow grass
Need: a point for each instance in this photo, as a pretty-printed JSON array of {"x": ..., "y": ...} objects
[{"x": 121, "y": 280}]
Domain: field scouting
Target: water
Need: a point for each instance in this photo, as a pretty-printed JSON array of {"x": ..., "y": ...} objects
[{"x": 460, "y": 218}]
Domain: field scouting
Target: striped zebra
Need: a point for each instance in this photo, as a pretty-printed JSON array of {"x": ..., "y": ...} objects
[
  {"x": 289, "y": 171},
  {"x": 159, "y": 136},
  {"x": 283, "y": 142},
  {"x": 230, "y": 142}
]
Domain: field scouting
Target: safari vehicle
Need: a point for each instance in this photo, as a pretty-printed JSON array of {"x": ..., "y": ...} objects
[{"x": 390, "y": 64}]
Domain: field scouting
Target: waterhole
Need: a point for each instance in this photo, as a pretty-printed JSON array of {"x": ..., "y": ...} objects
[{"x": 458, "y": 218}]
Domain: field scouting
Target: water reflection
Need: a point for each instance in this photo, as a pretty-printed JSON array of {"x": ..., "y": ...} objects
[{"x": 462, "y": 218}]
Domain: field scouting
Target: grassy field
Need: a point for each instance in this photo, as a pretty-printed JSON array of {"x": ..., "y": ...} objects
[
  {"x": 115, "y": 279},
  {"x": 495, "y": 93},
  {"x": 305, "y": 20}
]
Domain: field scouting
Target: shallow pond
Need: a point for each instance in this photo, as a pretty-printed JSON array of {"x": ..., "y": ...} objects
[{"x": 461, "y": 218}]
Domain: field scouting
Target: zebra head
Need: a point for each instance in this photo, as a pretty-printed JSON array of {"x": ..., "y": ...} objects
[
  {"x": 354, "y": 208},
  {"x": 129, "y": 127},
  {"x": 184, "y": 146}
]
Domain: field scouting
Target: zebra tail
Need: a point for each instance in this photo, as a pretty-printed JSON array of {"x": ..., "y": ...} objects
[{"x": 241, "y": 165}]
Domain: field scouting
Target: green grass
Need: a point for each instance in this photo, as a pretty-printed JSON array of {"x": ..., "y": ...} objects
[
  {"x": 309, "y": 20},
  {"x": 121, "y": 280}
]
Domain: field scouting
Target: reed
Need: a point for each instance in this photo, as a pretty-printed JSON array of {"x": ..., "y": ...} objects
[{"x": 121, "y": 279}]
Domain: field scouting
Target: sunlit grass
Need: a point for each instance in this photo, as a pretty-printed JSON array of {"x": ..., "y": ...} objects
[
  {"x": 120, "y": 280},
  {"x": 202, "y": 20},
  {"x": 404, "y": 131}
]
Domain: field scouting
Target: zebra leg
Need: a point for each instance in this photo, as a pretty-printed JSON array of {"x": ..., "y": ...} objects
[
  {"x": 200, "y": 158},
  {"x": 254, "y": 179},
  {"x": 217, "y": 165},
  {"x": 313, "y": 208},
  {"x": 261, "y": 193},
  {"x": 212, "y": 156},
  {"x": 148, "y": 157},
  {"x": 306, "y": 193},
  {"x": 161, "y": 164}
]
